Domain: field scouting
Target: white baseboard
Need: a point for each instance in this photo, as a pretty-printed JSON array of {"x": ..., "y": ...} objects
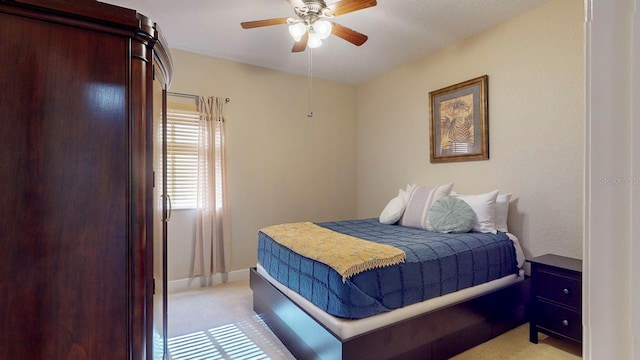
[{"x": 199, "y": 282}]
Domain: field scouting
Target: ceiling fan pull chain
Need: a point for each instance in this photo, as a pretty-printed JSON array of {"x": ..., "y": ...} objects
[{"x": 310, "y": 82}]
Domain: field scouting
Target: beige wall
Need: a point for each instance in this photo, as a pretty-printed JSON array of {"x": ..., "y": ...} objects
[
  {"x": 536, "y": 106},
  {"x": 282, "y": 165}
]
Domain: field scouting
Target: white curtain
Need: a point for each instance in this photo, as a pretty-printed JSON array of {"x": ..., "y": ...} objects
[{"x": 212, "y": 248}]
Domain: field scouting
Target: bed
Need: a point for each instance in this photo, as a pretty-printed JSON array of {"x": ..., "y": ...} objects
[{"x": 394, "y": 310}]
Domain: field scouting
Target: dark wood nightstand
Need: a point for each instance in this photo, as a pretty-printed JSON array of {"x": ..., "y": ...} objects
[{"x": 556, "y": 297}]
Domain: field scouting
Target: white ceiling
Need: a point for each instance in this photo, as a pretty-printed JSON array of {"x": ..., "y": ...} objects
[{"x": 400, "y": 31}]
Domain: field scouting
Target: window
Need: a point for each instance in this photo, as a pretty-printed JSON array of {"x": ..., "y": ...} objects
[
  {"x": 183, "y": 123},
  {"x": 182, "y": 157}
]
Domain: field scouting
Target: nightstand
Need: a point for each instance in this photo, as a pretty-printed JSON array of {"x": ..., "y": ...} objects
[{"x": 556, "y": 297}]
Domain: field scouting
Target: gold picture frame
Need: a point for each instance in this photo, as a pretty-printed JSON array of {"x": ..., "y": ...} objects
[{"x": 459, "y": 122}]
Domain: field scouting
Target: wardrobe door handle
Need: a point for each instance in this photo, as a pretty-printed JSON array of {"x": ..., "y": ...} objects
[
  {"x": 565, "y": 322},
  {"x": 168, "y": 208},
  {"x": 565, "y": 291}
]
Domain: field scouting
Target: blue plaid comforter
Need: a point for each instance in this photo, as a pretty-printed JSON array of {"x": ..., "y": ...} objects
[{"x": 436, "y": 264}]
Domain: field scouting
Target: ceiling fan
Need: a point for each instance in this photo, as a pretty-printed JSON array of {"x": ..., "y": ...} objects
[{"x": 312, "y": 25}]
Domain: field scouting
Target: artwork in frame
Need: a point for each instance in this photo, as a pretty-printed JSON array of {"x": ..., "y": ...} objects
[{"x": 459, "y": 122}]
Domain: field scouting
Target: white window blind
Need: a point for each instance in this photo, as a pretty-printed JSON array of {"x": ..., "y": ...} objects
[{"x": 182, "y": 157}]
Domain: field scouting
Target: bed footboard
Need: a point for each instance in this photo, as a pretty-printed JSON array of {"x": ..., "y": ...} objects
[{"x": 436, "y": 335}]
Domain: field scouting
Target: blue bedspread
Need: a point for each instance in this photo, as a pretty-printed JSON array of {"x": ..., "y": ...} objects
[{"x": 436, "y": 264}]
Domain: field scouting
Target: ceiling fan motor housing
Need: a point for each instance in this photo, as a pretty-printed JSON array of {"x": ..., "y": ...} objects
[{"x": 313, "y": 8}]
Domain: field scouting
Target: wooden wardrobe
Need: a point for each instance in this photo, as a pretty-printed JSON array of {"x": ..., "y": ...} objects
[{"x": 77, "y": 208}]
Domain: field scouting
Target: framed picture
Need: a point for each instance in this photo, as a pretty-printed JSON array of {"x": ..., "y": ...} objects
[{"x": 459, "y": 122}]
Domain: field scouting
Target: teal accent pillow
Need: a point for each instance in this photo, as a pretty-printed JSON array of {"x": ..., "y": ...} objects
[{"x": 451, "y": 215}]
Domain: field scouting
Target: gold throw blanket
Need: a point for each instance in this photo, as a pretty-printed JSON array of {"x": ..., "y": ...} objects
[{"x": 346, "y": 254}]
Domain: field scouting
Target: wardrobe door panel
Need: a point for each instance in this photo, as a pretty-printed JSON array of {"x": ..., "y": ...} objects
[{"x": 65, "y": 177}]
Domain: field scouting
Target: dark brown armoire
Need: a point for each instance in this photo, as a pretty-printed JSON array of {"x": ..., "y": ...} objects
[{"x": 77, "y": 209}]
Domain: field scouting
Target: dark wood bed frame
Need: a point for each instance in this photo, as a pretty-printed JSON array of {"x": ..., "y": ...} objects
[{"x": 439, "y": 334}]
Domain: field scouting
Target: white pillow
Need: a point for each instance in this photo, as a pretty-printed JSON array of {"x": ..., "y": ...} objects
[
  {"x": 409, "y": 190},
  {"x": 395, "y": 208},
  {"x": 502, "y": 212},
  {"x": 421, "y": 199},
  {"x": 484, "y": 205}
]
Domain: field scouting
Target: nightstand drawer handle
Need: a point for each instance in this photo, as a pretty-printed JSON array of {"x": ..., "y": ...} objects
[
  {"x": 565, "y": 322},
  {"x": 565, "y": 291}
]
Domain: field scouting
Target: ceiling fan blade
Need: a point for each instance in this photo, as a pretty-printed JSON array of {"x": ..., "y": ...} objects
[
  {"x": 302, "y": 44},
  {"x": 260, "y": 23},
  {"x": 346, "y": 6},
  {"x": 351, "y": 36}
]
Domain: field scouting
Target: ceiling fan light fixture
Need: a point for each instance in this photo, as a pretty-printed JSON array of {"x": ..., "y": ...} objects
[
  {"x": 314, "y": 41},
  {"x": 297, "y": 30},
  {"x": 322, "y": 28}
]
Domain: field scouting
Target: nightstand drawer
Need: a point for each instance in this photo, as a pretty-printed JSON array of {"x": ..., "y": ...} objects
[
  {"x": 559, "y": 320},
  {"x": 559, "y": 288},
  {"x": 556, "y": 302}
]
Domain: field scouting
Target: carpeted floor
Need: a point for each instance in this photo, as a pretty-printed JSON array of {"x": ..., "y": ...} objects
[
  {"x": 515, "y": 345},
  {"x": 218, "y": 323}
]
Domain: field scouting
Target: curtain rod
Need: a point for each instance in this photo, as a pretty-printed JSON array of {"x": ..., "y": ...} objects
[{"x": 191, "y": 96}]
